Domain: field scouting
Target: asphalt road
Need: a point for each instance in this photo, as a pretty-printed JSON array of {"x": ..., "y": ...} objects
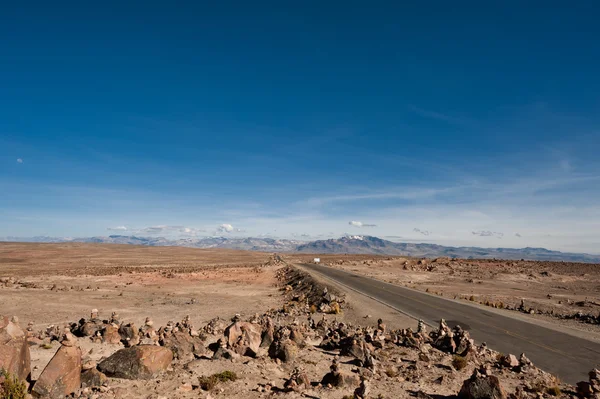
[{"x": 564, "y": 355}]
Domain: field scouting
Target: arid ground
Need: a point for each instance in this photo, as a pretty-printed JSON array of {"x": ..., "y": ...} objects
[{"x": 58, "y": 284}]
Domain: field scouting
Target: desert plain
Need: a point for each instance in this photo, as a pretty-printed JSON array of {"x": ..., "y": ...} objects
[{"x": 339, "y": 349}]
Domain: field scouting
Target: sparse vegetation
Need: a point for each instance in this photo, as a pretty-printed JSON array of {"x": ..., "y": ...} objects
[
  {"x": 207, "y": 383},
  {"x": 46, "y": 346},
  {"x": 391, "y": 372},
  {"x": 554, "y": 391},
  {"x": 459, "y": 362},
  {"x": 313, "y": 308},
  {"x": 471, "y": 298},
  {"x": 12, "y": 387}
]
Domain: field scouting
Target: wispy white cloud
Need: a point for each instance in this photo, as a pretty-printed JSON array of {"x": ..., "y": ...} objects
[
  {"x": 19, "y": 160},
  {"x": 487, "y": 233},
  {"x": 355, "y": 223},
  {"x": 399, "y": 193},
  {"x": 227, "y": 228},
  {"x": 552, "y": 200}
]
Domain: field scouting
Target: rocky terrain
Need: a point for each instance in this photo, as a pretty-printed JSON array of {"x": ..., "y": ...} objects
[
  {"x": 343, "y": 245},
  {"x": 304, "y": 347}
]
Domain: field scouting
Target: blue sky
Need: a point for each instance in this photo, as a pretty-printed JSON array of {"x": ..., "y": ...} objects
[{"x": 462, "y": 123}]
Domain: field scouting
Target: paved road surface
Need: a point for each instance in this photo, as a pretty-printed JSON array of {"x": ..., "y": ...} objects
[{"x": 567, "y": 356}]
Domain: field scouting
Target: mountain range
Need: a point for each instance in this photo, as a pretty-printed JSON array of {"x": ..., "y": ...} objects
[{"x": 344, "y": 245}]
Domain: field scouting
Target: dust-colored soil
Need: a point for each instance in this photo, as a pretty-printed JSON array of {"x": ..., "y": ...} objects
[
  {"x": 53, "y": 284},
  {"x": 57, "y": 284},
  {"x": 34, "y": 259}
]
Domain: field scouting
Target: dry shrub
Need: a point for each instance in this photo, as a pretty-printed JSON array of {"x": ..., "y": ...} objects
[
  {"x": 391, "y": 372},
  {"x": 459, "y": 362},
  {"x": 207, "y": 383},
  {"x": 554, "y": 391},
  {"x": 11, "y": 387}
]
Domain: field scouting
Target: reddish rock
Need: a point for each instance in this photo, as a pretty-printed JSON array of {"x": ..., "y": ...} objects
[
  {"x": 110, "y": 334},
  {"x": 244, "y": 338},
  {"x": 62, "y": 376},
  {"x": 510, "y": 361},
  {"x": 14, "y": 349},
  {"x": 137, "y": 362}
]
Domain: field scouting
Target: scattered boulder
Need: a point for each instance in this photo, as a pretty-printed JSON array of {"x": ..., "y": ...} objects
[
  {"x": 337, "y": 378},
  {"x": 93, "y": 378},
  {"x": 509, "y": 361},
  {"x": 590, "y": 389},
  {"x": 356, "y": 347},
  {"x": 215, "y": 326},
  {"x": 482, "y": 385},
  {"x": 129, "y": 334},
  {"x": 244, "y": 338},
  {"x": 137, "y": 362},
  {"x": 298, "y": 381},
  {"x": 268, "y": 334},
  {"x": 147, "y": 333},
  {"x": 89, "y": 328},
  {"x": 363, "y": 390},
  {"x": 183, "y": 345},
  {"x": 110, "y": 334},
  {"x": 285, "y": 350},
  {"x": 223, "y": 353},
  {"x": 455, "y": 341},
  {"x": 14, "y": 349},
  {"x": 62, "y": 376}
]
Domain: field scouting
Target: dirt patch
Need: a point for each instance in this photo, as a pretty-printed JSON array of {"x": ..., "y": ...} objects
[{"x": 262, "y": 322}]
